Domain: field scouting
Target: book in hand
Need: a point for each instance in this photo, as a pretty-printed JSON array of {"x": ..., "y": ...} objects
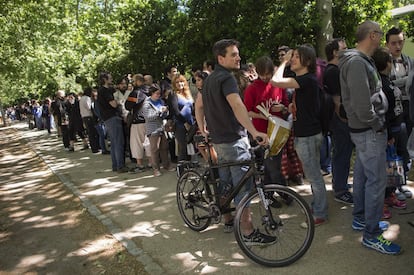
[{"x": 278, "y": 131}]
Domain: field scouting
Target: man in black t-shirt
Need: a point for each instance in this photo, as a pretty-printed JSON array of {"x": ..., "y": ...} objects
[
  {"x": 227, "y": 119},
  {"x": 341, "y": 139},
  {"x": 113, "y": 122}
]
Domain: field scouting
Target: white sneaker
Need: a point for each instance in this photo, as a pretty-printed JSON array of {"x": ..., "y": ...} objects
[
  {"x": 400, "y": 195},
  {"x": 407, "y": 193}
]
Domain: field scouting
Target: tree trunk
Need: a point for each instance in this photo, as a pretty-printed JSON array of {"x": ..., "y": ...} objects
[{"x": 325, "y": 32}]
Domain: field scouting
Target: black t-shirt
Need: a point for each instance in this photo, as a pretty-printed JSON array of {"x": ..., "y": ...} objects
[
  {"x": 307, "y": 106},
  {"x": 105, "y": 95},
  {"x": 331, "y": 80},
  {"x": 221, "y": 121}
]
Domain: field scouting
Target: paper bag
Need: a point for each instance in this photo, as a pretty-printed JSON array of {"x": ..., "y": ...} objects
[{"x": 278, "y": 131}]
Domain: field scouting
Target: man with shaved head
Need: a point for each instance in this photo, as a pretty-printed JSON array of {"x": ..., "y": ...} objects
[{"x": 366, "y": 104}]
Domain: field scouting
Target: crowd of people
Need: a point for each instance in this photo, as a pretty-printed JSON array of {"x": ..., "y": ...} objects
[{"x": 369, "y": 88}]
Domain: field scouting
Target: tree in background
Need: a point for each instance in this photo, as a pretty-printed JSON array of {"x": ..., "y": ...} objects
[{"x": 51, "y": 44}]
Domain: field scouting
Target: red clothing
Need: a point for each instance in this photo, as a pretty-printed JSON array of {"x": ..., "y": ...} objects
[{"x": 260, "y": 92}]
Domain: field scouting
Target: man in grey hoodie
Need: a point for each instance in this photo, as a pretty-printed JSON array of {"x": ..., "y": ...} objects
[{"x": 365, "y": 104}]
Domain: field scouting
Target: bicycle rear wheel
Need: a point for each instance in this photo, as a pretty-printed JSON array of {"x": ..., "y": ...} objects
[
  {"x": 192, "y": 200},
  {"x": 289, "y": 214}
]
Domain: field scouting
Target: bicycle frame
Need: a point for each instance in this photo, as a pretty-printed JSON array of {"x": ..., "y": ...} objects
[{"x": 224, "y": 206}]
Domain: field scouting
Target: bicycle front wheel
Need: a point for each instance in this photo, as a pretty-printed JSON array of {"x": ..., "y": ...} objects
[
  {"x": 281, "y": 235},
  {"x": 193, "y": 201}
]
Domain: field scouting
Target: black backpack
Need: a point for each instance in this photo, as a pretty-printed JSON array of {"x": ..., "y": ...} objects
[{"x": 326, "y": 109}]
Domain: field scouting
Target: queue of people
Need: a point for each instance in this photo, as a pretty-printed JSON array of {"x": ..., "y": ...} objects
[{"x": 368, "y": 86}]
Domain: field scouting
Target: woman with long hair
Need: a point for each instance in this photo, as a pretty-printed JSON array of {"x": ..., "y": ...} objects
[{"x": 183, "y": 115}]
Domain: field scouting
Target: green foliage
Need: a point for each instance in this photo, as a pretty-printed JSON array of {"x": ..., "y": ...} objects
[
  {"x": 347, "y": 14},
  {"x": 59, "y": 44}
]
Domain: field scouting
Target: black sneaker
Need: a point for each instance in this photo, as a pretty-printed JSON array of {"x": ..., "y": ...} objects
[
  {"x": 228, "y": 227},
  {"x": 136, "y": 169},
  {"x": 273, "y": 202},
  {"x": 257, "y": 238},
  {"x": 345, "y": 198}
]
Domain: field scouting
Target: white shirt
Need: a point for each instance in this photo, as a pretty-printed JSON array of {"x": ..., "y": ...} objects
[{"x": 85, "y": 104}]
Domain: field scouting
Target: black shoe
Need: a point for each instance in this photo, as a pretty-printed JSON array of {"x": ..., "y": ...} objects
[
  {"x": 257, "y": 238},
  {"x": 137, "y": 170},
  {"x": 106, "y": 152},
  {"x": 123, "y": 170},
  {"x": 85, "y": 147},
  {"x": 345, "y": 198},
  {"x": 286, "y": 198},
  {"x": 273, "y": 202}
]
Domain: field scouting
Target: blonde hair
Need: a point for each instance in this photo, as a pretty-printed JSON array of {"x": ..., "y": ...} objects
[{"x": 186, "y": 92}]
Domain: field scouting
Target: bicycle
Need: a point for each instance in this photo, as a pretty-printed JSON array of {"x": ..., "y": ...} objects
[{"x": 276, "y": 210}]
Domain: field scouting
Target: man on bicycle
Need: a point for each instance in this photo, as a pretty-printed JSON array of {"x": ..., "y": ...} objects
[{"x": 221, "y": 108}]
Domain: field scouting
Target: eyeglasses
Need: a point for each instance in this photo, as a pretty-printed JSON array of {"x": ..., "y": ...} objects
[{"x": 379, "y": 32}]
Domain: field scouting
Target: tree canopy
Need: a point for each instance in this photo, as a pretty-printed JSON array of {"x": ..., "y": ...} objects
[{"x": 64, "y": 44}]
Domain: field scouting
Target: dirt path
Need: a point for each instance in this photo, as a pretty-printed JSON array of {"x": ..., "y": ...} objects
[{"x": 43, "y": 227}]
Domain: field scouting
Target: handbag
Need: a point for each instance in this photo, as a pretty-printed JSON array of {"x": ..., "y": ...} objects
[
  {"x": 169, "y": 125},
  {"x": 191, "y": 132}
]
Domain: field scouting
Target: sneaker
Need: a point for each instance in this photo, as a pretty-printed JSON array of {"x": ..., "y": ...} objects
[
  {"x": 123, "y": 170},
  {"x": 257, "y": 238},
  {"x": 400, "y": 195},
  {"x": 170, "y": 169},
  {"x": 407, "y": 193},
  {"x": 286, "y": 198},
  {"x": 136, "y": 170},
  {"x": 299, "y": 179},
  {"x": 273, "y": 202},
  {"x": 71, "y": 149},
  {"x": 317, "y": 222},
  {"x": 228, "y": 227},
  {"x": 157, "y": 173},
  {"x": 386, "y": 213},
  {"x": 345, "y": 198},
  {"x": 325, "y": 172},
  {"x": 359, "y": 226},
  {"x": 393, "y": 202},
  {"x": 382, "y": 245}
]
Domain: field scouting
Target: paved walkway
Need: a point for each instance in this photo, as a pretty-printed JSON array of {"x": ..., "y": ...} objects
[{"x": 140, "y": 211}]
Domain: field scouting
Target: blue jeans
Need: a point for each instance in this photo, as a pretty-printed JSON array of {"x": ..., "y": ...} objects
[
  {"x": 370, "y": 179},
  {"x": 100, "y": 129},
  {"x": 341, "y": 155},
  {"x": 326, "y": 158},
  {"x": 116, "y": 133},
  {"x": 235, "y": 151},
  {"x": 308, "y": 149}
]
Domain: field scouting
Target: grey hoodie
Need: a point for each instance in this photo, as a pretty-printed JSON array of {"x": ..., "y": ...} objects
[{"x": 364, "y": 101}]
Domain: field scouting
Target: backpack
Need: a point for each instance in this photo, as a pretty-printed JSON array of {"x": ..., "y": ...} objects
[
  {"x": 320, "y": 70},
  {"x": 326, "y": 104},
  {"x": 326, "y": 109}
]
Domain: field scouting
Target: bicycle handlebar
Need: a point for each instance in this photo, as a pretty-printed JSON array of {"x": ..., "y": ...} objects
[{"x": 258, "y": 151}]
